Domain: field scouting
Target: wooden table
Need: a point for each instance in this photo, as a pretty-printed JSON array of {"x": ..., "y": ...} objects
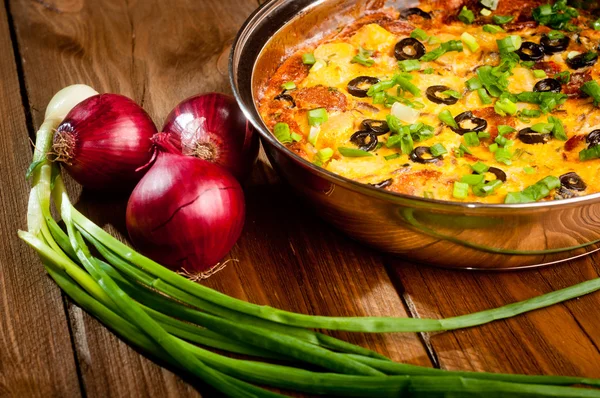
[{"x": 158, "y": 53}]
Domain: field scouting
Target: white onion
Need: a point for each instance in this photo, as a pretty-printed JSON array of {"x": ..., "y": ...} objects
[{"x": 405, "y": 113}]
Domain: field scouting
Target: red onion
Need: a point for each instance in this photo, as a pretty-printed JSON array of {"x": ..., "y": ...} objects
[
  {"x": 105, "y": 143},
  {"x": 212, "y": 127},
  {"x": 185, "y": 213}
]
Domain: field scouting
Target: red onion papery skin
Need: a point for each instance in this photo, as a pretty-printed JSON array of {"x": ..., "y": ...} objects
[
  {"x": 185, "y": 213},
  {"x": 213, "y": 127},
  {"x": 105, "y": 142}
]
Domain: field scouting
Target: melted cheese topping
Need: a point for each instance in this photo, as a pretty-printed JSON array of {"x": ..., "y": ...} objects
[{"x": 529, "y": 163}]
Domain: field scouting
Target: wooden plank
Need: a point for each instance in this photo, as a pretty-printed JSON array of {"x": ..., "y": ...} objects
[
  {"x": 158, "y": 54},
  {"x": 562, "y": 339},
  {"x": 36, "y": 358}
]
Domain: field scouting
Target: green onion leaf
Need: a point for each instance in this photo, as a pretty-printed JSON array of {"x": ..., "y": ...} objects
[
  {"x": 288, "y": 86},
  {"x": 530, "y": 113},
  {"x": 555, "y": 35},
  {"x": 452, "y": 93},
  {"x": 308, "y": 59},
  {"x": 484, "y": 96},
  {"x": 509, "y": 44},
  {"x": 408, "y": 65},
  {"x": 590, "y": 153},
  {"x": 313, "y": 135},
  {"x": 282, "y": 133},
  {"x": 470, "y": 41},
  {"x": 461, "y": 190},
  {"x": 408, "y": 86},
  {"x": 438, "y": 150},
  {"x": 596, "y": 24},
  {"x": 466, "y": 16},
  {"x": 539, "y": 74},
  {"x": 317, "y": 117},
  {"x": 485, "y": 12},
  {"x": 486, "y": 189},
  {"x": 480, "y": 167},
  {"x": 493, "y": 148},
  {"x": 505, "y": 106},
  {"x": 503, "y": 155},
  {"x": 534, "y": 192},
  {"x": 563, "y": 77},
  {"x": 428, "y": 71},
  {"x": 363, "y": 58},
  {"x": 472, "y": 179},
  {"x": 592, "y": 88},
  {"x": 558, "y": 130},
  {"x": 353, "y": 152},
  {"x": 504, "y": 129},
  {"x": 557, "y": 16},
  {"x": 419, "y": 34},
  {"x": 543, "y": 128},
  {"x": 471, "y": 139},
  {"x": 502, "y": 19},
  {"x": 296, "y": 137},
  {"x": 474, "y": 83},
  {"x": 491, "y": 4},
  {"x": 452, "y": 45},
  {"x": 447, "y": 118},
  {"x": 323, "y": 156},
  {"x": 392, "y": 156},
  {"x": 529, "y": 170},
  {"x": 483, "y": 134},
  {"x": 492, "y": 29}
]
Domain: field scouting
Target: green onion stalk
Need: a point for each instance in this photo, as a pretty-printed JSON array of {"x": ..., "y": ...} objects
[{"x": 171, "y": 317}]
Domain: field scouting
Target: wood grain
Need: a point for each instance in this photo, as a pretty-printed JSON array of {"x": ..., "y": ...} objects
[
  {"x": 36, "y": 356},
  {"x": 158, "y": 54},
  {"x": 562, "y": 339}
]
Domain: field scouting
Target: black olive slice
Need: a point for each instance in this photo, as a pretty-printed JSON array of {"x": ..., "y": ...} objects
[
  {"x": 364, "y": 140},
  {"x": 359, "y": 86},
  {"x": 573, "y": 182},
  {"x": 548, "y": 85},
  {"x": 479, "y": 123},
  {"x": 593, "y": 138},
  {"x": 500, "y": 175},
  {"x": 407, "y": 12},
  {"x": 530, "y": 51},
  {"x": 383, "y": 184},
  {"x": 417, "y": 49},
  {"x": 432, "y": 94},
  {"x": 528, "y": 136},
  {"x": 377, "y": 127},
  {"x": 564, "y": 193},
  {"x": 286, "y": 98},
  {"x": 582, "y": 60},
  {"x": 553, "y": 46},
  {"x": 417, "y": 155}
]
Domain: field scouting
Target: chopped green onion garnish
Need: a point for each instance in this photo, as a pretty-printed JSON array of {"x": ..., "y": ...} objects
[
  {"x": 419, "y": 34},
  {"x": 491, "y": 4},
  {"x": 323, "y": 156},
  {"x": 480, "y": 168},
  {"x": 428, "y": 71},
  {"x": 500, "y": 140},
  {"x": 470, "y": 41},
  {"x": 592, "y": 88},
  {"x": 483, "y": 134},
  {"x": 379, "y": 98},
  {"x": 462, "y": 149},
  {"x": 282, "y": 133},
  {"x": 534, "y": 192},
  {"x": 493, "y": 148},
  {"x": 558, "y": 130},
  {"x": 542, "y": 128},
  {"x": 363, "y": 57},
  {"x": 472, "y": 179},
  {"x": 504, "y": 129},
  {"x": 505, "y": 106},
  {"x": 485, "y": 12},
  {"x": 596, "y": 24},
  {"x": 288, "y": 86},
  {"x": 590, "y": 153},
  {"x": 308, "y": 59},
  {"x": 528, "y": 64},
  {"x": 510, "y": 43},
  {"x": 492, "y": 29},
  {"x": 383, "y": 85},
  {"x": 392, "y": 156},
  {"x": 466, "y": 15},
  {"x": 461, "y": 190},
  {"x": 405, "y": 84},
  {"x": 503, "y": 155},
  {"x": 434, "y": 40},
  {"x": 438, "y": 149},
  {"x": 530, "y": 113},
  {"x": 313, "y": 135},
  {"x": 539, "y": 74},
  {"x": 484, "y": 96},
  {"x": 471, "y": 139},
  {"x": 408, "y": 65},
  {"x": 317, "y": 117},
  {"x": 296, "y": 137},
  {"x": 563, "y": 77},
  {"x": 353, "y": 152},
  {"x": 474, "y": 83},
  {"x": 556, "y": 16},
  {"x": 452, "y": 93},
  {"x": 502, "y": 19},
  {"x": 319, "y": 64},
  {"x": 487, "y": 188},
  {"x": 546, "y": 100},
  {"x": 529, "y": 170},
  {"x": 447, "y": 118},
  {"x": 452, "y": 45},
  {"x": 555, "y": 35}
]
